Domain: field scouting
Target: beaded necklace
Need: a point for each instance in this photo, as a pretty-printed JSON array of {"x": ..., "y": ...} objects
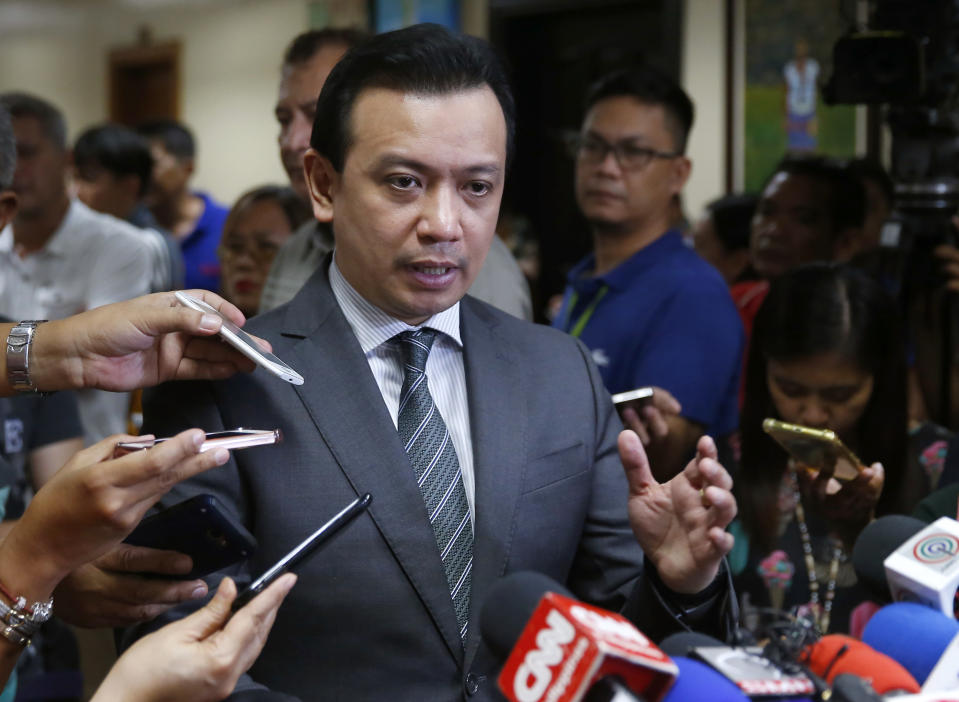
[{"x": 819, "y": 613}]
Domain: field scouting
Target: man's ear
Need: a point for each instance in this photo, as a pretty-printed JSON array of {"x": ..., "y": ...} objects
[
  {"x": 8, "y": 206},
  {"x": 130, "y": 184},
  {"x": 682, "y": 167},
  {"x": 847, "y": 244},
  {"x": 322, "y": 180}
]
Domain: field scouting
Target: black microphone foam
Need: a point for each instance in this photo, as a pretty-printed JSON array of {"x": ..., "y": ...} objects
[
  {"x": 876, "y": 542},
  {"x": 509, "y": 604}
]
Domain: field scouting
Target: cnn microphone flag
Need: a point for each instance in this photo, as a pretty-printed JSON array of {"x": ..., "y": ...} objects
[{"x": 568, "y": 645}]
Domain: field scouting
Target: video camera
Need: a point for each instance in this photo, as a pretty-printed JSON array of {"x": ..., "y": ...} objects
[{"x": 908, "y": 60}]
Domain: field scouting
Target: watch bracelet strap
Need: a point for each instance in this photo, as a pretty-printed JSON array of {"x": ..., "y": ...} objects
[
  {"x": 14, "y": 636},
  {"x": 19, "y": 344}
]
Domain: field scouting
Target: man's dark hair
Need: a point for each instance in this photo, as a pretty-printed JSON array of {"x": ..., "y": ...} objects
[
  {"x": 308, "y": 44},
  {"x": 177, "y": 140},
  {"x": 116, "y": 149},
  {"x": 8, "y": 150},
  {"x": 50, "y": 118},
  {"x": 425, "y": 59},
  {"x": 649, "y": 86},
  {"x": 731, "y": 216},
  {"x": 841, "y": 190},
  {"x": 869, "y": 169}
]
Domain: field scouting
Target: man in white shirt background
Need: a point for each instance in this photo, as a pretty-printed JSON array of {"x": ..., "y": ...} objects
[{"x": 58, "y": 257}]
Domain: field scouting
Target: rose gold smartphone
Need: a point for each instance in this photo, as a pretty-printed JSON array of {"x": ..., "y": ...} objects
[
  {"x": 230, "y": 439},
  {"x": 815, "y": 449}
]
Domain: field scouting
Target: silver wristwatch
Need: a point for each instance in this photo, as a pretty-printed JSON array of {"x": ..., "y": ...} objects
[{"x": 19, "y": 341}]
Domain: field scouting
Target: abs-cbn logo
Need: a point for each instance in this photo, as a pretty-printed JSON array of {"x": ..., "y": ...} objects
[
  {"x": 936, "y": 548},
  {"x": 535, "y": 674}
]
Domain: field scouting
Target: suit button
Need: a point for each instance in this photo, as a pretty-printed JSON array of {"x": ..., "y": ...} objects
[{"x": 471, "y": 684}]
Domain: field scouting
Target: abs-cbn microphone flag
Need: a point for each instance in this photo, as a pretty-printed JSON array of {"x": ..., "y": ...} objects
[
  {"x": 568, "y": 645},
  {"x": 925, "y": 568}
]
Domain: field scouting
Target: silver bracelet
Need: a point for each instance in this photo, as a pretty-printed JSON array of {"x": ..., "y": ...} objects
[
  {"x": 19, "y": 343},
  {"x": 25, "y": 621},
  {"x": 14, "y": 636}
]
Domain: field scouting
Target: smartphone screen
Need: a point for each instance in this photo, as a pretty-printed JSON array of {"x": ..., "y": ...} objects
[{"x": 306, "y": 547}]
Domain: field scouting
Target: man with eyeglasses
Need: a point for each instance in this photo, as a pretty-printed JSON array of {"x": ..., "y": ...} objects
[{"x": 650, "y": 310}]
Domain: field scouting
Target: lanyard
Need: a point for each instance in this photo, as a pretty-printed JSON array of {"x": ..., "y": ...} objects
[{"x": 577, "y": 328}]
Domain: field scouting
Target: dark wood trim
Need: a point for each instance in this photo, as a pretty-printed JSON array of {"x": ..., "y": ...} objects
[{"x": 126, "y": 57}]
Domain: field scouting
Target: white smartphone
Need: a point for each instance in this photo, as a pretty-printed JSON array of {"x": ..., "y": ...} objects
[
  {"x": 637, "y": 397},
  {"x": 243, "y": 342},
  {"x": 229, "y": 439}
]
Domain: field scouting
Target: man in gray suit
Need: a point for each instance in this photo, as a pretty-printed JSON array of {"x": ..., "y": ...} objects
[{"x": 501, "y": 456}]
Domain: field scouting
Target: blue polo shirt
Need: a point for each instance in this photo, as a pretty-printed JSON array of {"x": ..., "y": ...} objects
[
  {"x": 663, "y": 317},
  {"x": 201, "y": 266}
]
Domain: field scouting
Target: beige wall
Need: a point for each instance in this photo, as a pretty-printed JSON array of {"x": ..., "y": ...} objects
[
  {"x": 231, "y": 56},
  {"x": 230, "y": 62},
  {"x": 704, "y": 78}
]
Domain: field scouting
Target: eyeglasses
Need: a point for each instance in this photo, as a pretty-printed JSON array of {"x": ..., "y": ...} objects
[
  {"x": 629, "y": 155},
  {"x": 261, "y": 250}
]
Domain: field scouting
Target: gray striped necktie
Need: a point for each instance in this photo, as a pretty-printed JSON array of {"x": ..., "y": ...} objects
[{"x": 437, "y": 470}]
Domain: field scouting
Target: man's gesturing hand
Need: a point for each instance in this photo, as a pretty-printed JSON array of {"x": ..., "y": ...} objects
[{"x": 680, "y": 524}]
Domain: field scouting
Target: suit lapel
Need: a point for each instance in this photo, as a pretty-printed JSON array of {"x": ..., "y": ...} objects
[
  {"x": 497, "y": 388},
  {"x": 360, "y": 434}
]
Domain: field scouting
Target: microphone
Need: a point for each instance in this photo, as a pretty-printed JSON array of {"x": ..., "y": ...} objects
[
  {"x": 875, "y": 543},
  {"x": 925, "y": 569},
  {"x": 697, "y": 681},
  {"x": 562, "y": 650},
  {"x": 920, "y": 639},
  {"x": 748, "y": 668},
  {"x": 836, "y": 654}
]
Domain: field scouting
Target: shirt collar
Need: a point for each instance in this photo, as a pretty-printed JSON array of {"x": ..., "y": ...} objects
[
  {"x": 373, "y": 326},
  {"x": 622, "y": 275},
  {"x": 6, "y": 239},
  {"x": 58, "y": 243}
]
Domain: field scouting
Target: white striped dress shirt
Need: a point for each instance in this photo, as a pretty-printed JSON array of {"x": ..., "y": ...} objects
[{"x": 445, "y": 374}]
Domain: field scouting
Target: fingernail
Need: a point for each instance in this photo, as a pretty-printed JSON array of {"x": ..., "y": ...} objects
[
  {"x": 198, "y": 592},
  {"x": 210, "y": 323},
  {"x": 221, "y": 456},
  {"x": 198, "y": 438}
]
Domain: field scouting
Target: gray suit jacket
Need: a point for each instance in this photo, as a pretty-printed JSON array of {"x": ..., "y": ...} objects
[{"x": 371, "y": 616}]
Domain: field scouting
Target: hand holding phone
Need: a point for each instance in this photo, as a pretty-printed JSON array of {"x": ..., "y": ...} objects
[
  {"x": 200, "y": 528},
  {"x": 230, "y": 439},
  {"x": 815, "y": 449},
  {"x": 243, "y": 342},
  {"x": 306, "y": 547}
]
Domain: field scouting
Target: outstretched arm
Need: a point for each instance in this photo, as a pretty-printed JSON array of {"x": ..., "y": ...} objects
[
  {"x": 132, "y": 344},
  {"x": 199, "y": 657},
  {"x": 85, "y": 510}
]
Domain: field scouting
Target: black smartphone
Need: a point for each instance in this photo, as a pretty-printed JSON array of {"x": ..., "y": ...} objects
[
  {"x": 202, "y": 529},
  {"x": 306, "y": 547}
]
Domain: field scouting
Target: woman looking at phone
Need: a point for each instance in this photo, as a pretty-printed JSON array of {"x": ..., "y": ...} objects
[{"x": 826, "y": 353}]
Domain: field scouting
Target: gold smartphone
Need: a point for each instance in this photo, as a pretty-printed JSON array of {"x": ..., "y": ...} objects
[{"x": 815, "y": 449}]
